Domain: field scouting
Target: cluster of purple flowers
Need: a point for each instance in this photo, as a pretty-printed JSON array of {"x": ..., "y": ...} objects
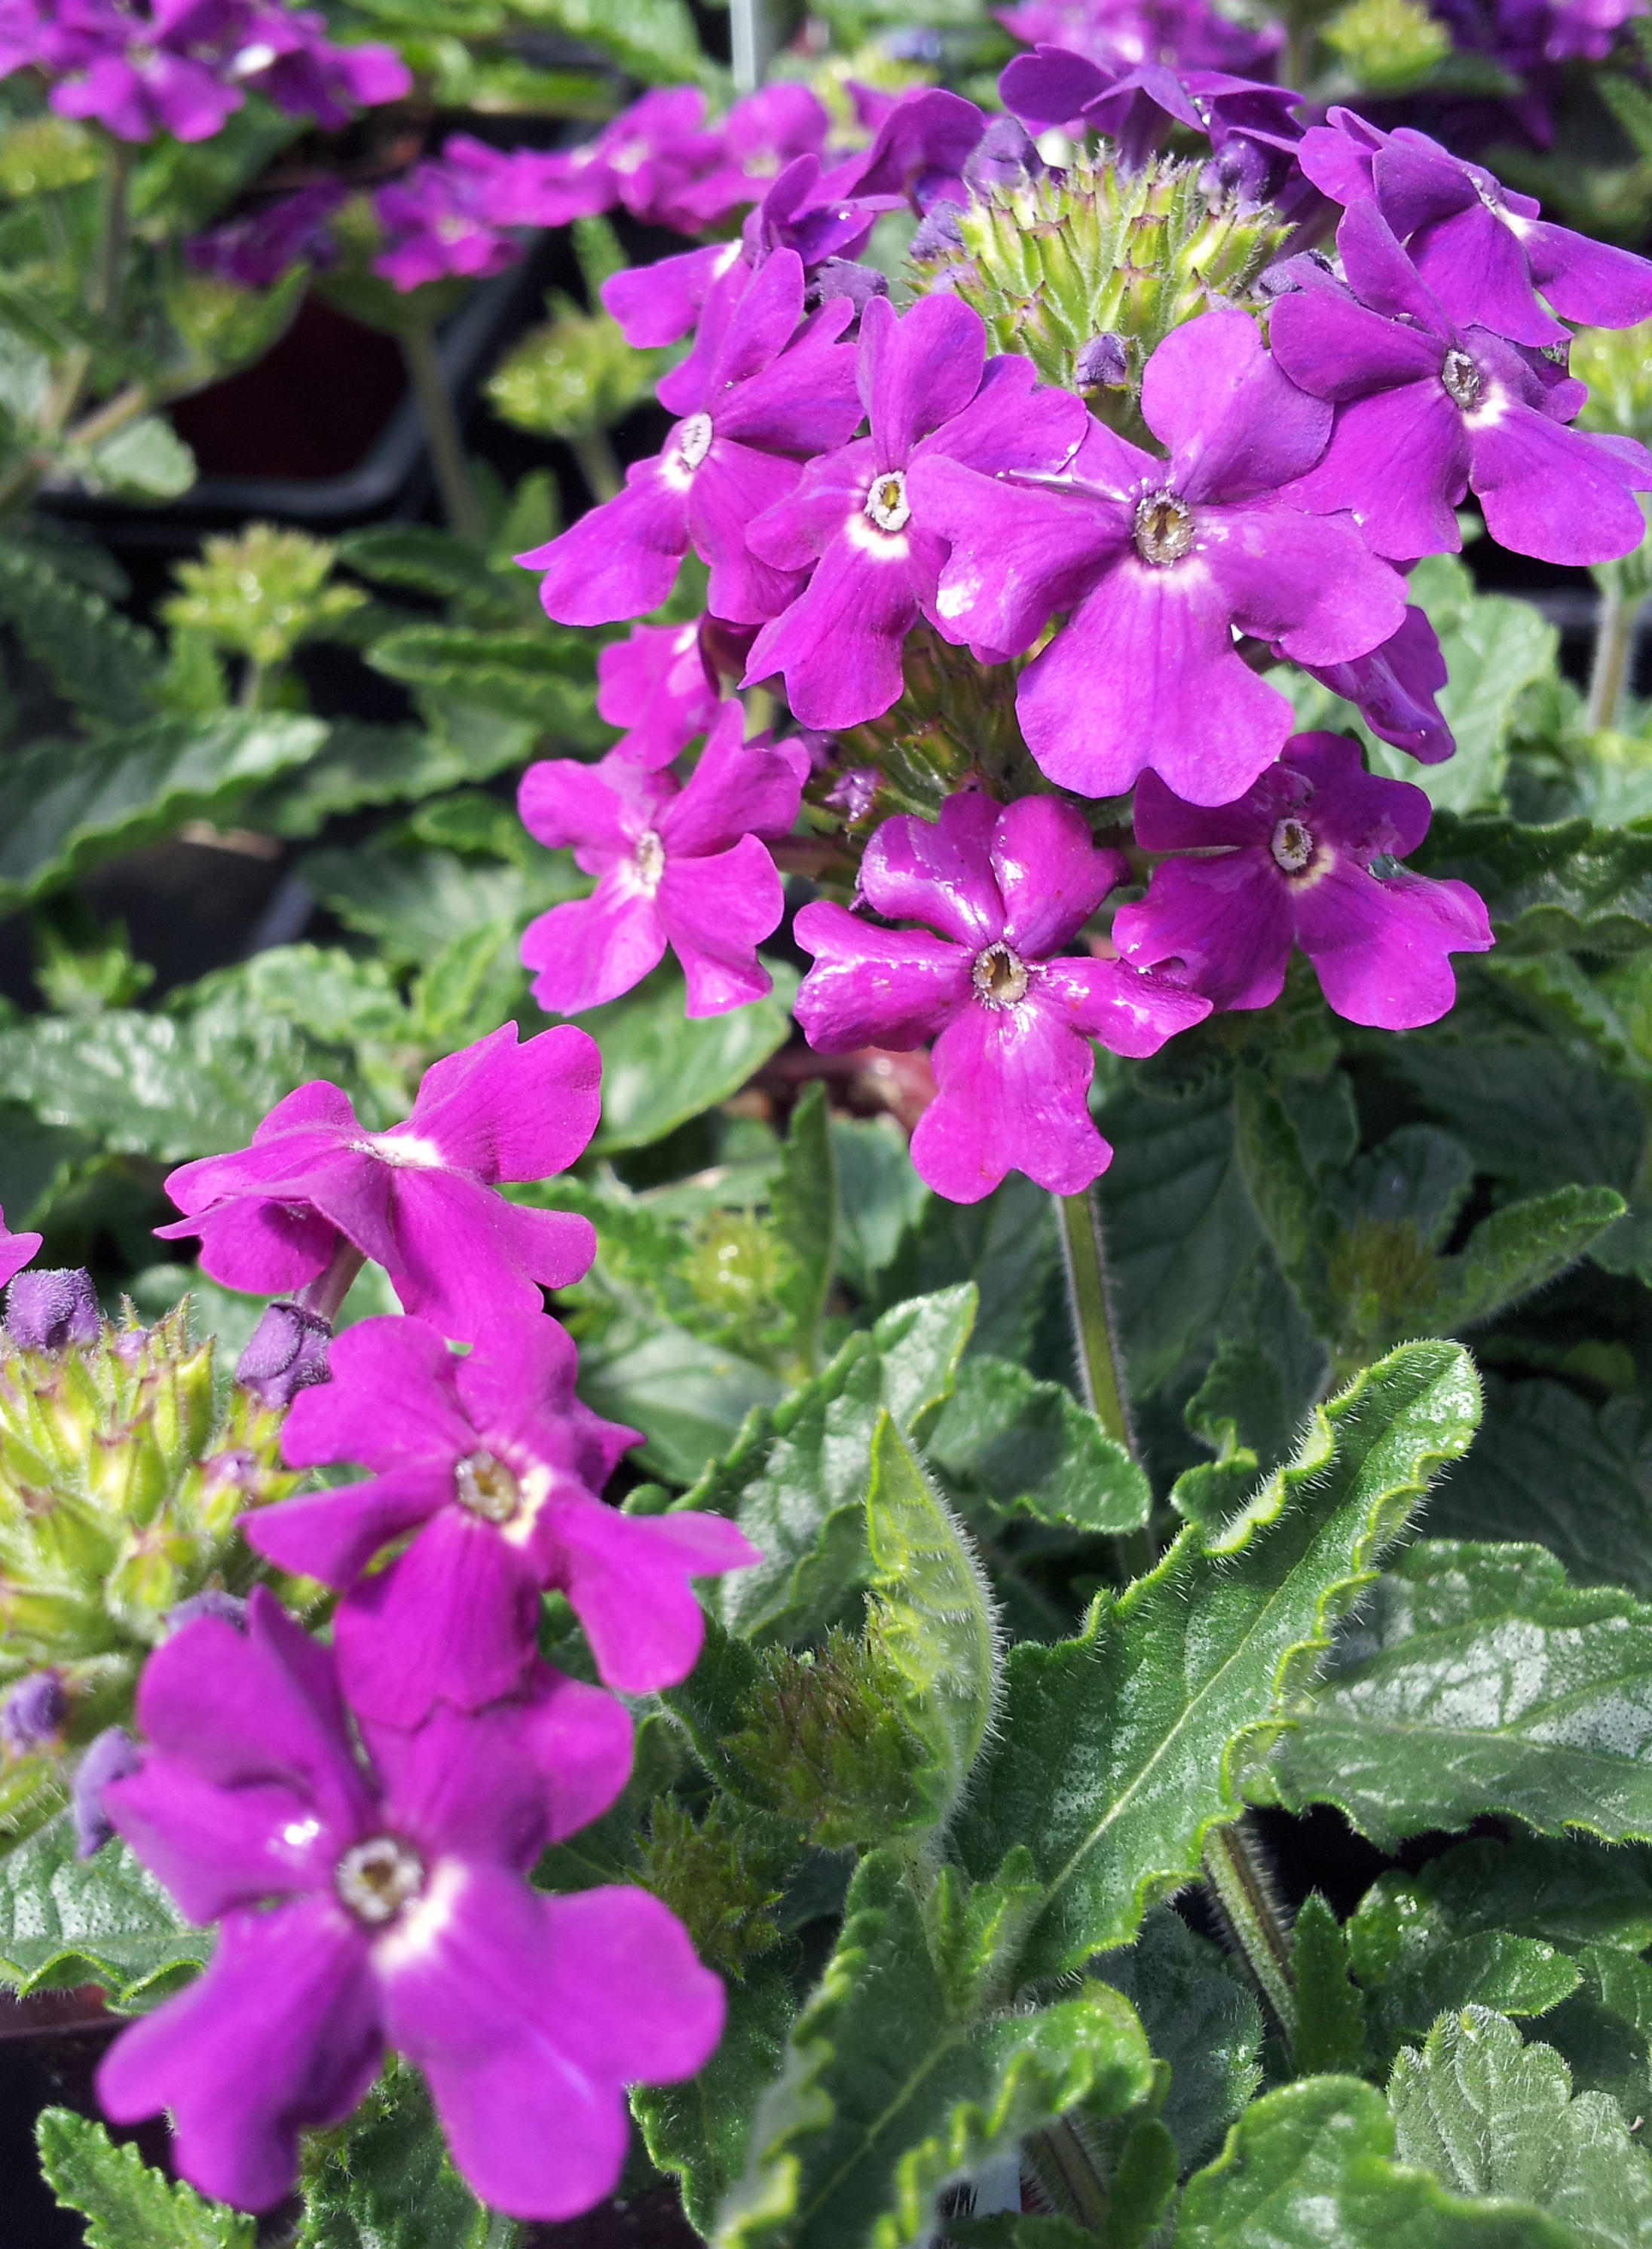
[
  {"x": 142, "y": 67},
  {"x": 361, "y": 1819},
  {"x": 847, "y": 472}
]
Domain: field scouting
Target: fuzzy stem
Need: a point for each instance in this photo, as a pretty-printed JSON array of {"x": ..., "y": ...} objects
[
  {"x": 108, "y": 275},
  {"x": 443, "y": 434},
  {"x": 1237, "y": 1873},
  {"x": 1063, "y": 2166},
  {"x": 599, "y": 465},
  {"x": 1613, "y": 658},
  {"x": 251, "y": 686},
  {"x": 1085, "y": 1256}
]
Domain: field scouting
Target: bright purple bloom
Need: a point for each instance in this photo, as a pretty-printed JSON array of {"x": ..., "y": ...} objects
[
  {"x": 257, "y": 249},
  {"x": 1252, "y": 131},
  {"x": 876, "y": 562},
  {"x": 362, "y": 1906},
  {"x": 417, "y": 1199},
  {"x": 496, "y": 1464},
  {"x": 656, "y": 684},
  {"x": 767, "y": 393},
  {"x": 1012, "y": 1017},
  {"x": 16, "y": 1251},
  {"x": 1291, "y": 864},
  {"x": 1159, "y": 561},
  {"x": 759, "y": 137},
  {"x": 1187, "y": 34},
  {"x": 48, "y": 1310},
  {"x": 451, "y": 215},
  {"x": 643, "y": 159},
  {"x": 920, "y": 152},
  {"x": 656, "y": 305},
  {"x": 289, "y": 58},
  {"x": 1482, "y": 250},
  {"x": 1394, "y": 688},
  {"x": 1429, "y": 411},
  {"x": 676, "y": 864}
]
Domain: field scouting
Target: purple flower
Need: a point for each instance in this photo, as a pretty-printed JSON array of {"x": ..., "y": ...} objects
[
  {"x": 34, "y": 1714},
  {"x": 1291, "y": 864},
  {"x": 656, "y": 305},
  {"x": 1159, "y": 561},
  {"x": 452, "y": 215},
  {"x": 1251, "y": 130},
  {"x": 1012, "y": 1019},
  {"x": 418, "y": 1198},
  {"x": 677, "y": 865},
  {"x": 1483, "y": 250},
  {"x": 365, "y": 1905},
  {"x": 1394, "y": 689},
  {"x": 657, "y": 685},
  {"x": 492, "y": 1459},
  {"x": 876, "y": 561},
  {"x": 1187, "y": 34},
  {"x": 257, "y": 249},
  {"x": 759, "y": 137},
  {"x": 285, "y": 1353},
  {"x": 643, "y": 159},
  {"x": 918, "y": 152},
  {"x": 764, "y": 392},
  {"x": 46, "y": 1311},
  {"x": 1428, "y": 412}
]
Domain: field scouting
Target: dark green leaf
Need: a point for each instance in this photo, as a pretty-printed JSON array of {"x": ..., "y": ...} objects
[
  {"x": 1200, "y": 2017},
  {"x": 1572, "y": 887},
  {"x": 387, "y": 2181},
  {"x": 1531, "y": 1124},
  {"x": 537, "y": 673},
  {"x": 1569, "y": 1890},
  {"x": 804, "y": 1212},
  {"x": 361, "y": 765},
  {"x": 1413, "y": 1965},
  {"x": 1328, "y": 2032},
  {"x": 101, "y": 665},
  {"x": 127, "y": 2203},
  {"x": 105, "y": 1919},
  {"x": 1028, "y": 1447},
  {"x": 415, "y": 903},
  {"x": 880, "y": 1197},
  {"x": 660, "y": 1067},
  {"x": 698, "y": 2131},
  {"x": 691, "y": 1399}
]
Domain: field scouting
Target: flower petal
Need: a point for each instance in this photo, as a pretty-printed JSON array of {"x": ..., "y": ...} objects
[
  {"x": 872, "y": 987},
  {"x": 1011, "y": 1095},
  {"x": 627, "y": 1580},
  {"x": 939, "y": 871},
  {"x": 588, "y": 951},
  {"x": 334, "y": 1535},
  {"x": 452, "y": 1618},
  {"x": 1049, "y": 872},
  {"x": 1234, "y": 424}
]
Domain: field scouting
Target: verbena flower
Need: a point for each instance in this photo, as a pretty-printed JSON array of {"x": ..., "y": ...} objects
[
  {"x": 363, "y": 1905},
  {"x": 16, "y": 1251},
  {"x": 257, "y": 249},
  {"x": 1251, "y": 129},
  {"x": 1159, "y": 561},
  {"x": 642, "y": 159},
  {"x": 1006, "y": 888},
  {"x": 656, "y": 684},
  {"x": 451, "y": 215},
  {"x": 1188, "y": 34},
  {"x": 494, "y": 1463},
  {"x": 854, "y": 521},
  {"x": 768, "y": 393},
  {"x": 677, "y": 865},
  {"x": 1428, "y": 411},
  {"x": 758, "y": 139},
  {"x": 918, "y": 152},
  {"x": 1291, "y": 862},
  {"x": 418, "y": 1198},
  {"x": 1394, "y": 689}
]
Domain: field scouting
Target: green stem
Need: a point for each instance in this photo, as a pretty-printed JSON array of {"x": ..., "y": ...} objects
[
  {"x": 1613, "y": 658},
  {"x": 1237, "y": 1873},
  {"x": 108, "y": 274},
  {"x": 251, "y": 686},
  {"x": 599, "y": 465},
  {"x": 443, "y": 434},
  {"x": 502, "y": 2232},
  {"x": 1300, "y": 44},
  {"x": 1085, "y": 1256},
  {"x": 1061, "y": 2164}
]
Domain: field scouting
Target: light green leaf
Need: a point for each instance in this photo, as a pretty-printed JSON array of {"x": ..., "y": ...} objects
[
  {"x": 887, "y": 2095},
  {"x": 144, "y": 459},
  {"x": 690, "y": 1397},
  {"x": 881, "y": 1199},
  {"x": 127, "y": 2203},
  {"x": 1492, "y": 2116},
  {"x": 1479, "y": 1682},
  {"x": 1022, "y": 1447},
  {"x": 934, "y": 1617},
  {"x": 653, "y": 40},
  {"x": 415, "y": 903},
  {"x": 1495, "y": 647},
  {"x": 659, "y": 1068},
  {"x": 1568, "y": 1889},
  {"x": 798, "y": 1478},
  {"x": 535, "y": 673},
  {"x": 803, "y": 1206},
  {"x": 1327, "y": 2033},
  {"x": 1413, "y": 1964},
  {"x": 1201, "y": 2015},
  {"x": 387, "y": 2181},
  {"x": 698, "y": 2131},
  {"x": 361, "y": 764},
  {"x": 36, "y": 1160},
  {"x": 430, "y": 561},
  {"x": 1119, "y": 1749},
  {"x": 1517, "y": 1249},
  {"x": 105, "y": 1919},
  {"x": 62, "y": 806}
]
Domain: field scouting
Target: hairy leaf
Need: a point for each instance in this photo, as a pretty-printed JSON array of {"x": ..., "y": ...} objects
[
  {"x": 537, "y": 673},
  {"x": 804, "y": 1206},
  {"x": 1571, "y": 887},
  {"x": 102, "y": 665},
  {"x": 105, "y": 1919},
  {"x": 126, "y": 2202},
  {"x": 1328, "y": 2032},
  {"x": 1200, "y": 2017},
  {"x": 698, "y": 2131},
  {"x": 387, "y": 2181},
  {"x": 660, "y": 1067},
  {"x": 1028, "y": 1447}
]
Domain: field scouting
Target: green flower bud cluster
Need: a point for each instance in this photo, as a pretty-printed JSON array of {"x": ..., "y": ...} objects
[
  {"x": 261, "y": 592},
  {"x": 1050, "y": 263},
  {"x": 722, "y": 1878},
  {"x": 1388, "y": 46},
  {"x": 825, "y": 1744},
  {"x": 956, "y": 721},
  {"x": 574, "y": 376}
]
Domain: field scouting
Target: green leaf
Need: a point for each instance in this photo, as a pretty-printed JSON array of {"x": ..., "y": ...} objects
[
  {"x": 803, "y": 1207},
  {"x": 660, "y": 1067},
  {"x": 1006, "y": 1244},
  {"x": 1569, "y": 1890},
  {"x": 1328, "y": 2033},
  {"x": 361, "y": 764},
  {"x": 798, "y": 1478},
  {"x": 1531, "y": 1125},
  {"x": 1492, "y": 2116},
  {"x": 1520, "y": 1248},
  {"x": 886, "y": 2094},
  {"x": 63, "y": 807},
  {"x": 101, "y": 664},
  {"x": 1119, "y": 1749},
  {"x": 387, "y": 2181},
  {"x": 1028, "y": 1447},
  {"x": 1413, "y": 1965},
  {"x": 105, "y": 1919},
  {"x": 653, "y": 40},
  {"x": 698, "y": 2131},
  {"x": 535, "y": 673},
  {"x": 1312, "y": 2165},
  {"x": 143, "y": 459},
  {"x": 1200, "y": 2017},
  {"x": 1571, "y": 887},
  {"x": 881, "y": 1199},
  {"x": 430, "y": 561},
  {"x": 36, "y": 1161},
  {"x": 934, "y": 1617},
  {"x": 127, "y": 2203},
  {"x": 1479, "y": 1683},
  {"x": 415, "y": 904},
  {"x": 691, "y": 1399}
]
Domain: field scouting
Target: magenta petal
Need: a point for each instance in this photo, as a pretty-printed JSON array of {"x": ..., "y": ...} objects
[
  {"x": 508, "y": 1112},
  {"x": 1130, "y": 1012},
  {"x": 832, "y": 489},
  {"x": 917, "y": 370},
  {"x": 1585, "y": 280},
  {"x": 390, "y": 1403},
  {"x": 1340, "y": 350},
  {"x": 334, "y": 1535},
  {"x": 1018, "y": 552},
  {"x": 714, "y": 912},
  {"x": 281, "y": 2035},
  {"x": 591, "y": 949},
  {"x": 838, "y": 646},
  {"x": 1307, "y": 582},
  {"x": 1364, "y": 812},
  {"x": 621, "y": 559},
  {"x": 1011, "y": 1095},
  {"x": 1164, "y": 822},
  {"x": 452, "y": 1618},
  {"x": 656, "y": 304},
  {"x": 1398, "y": 463},
  {"x": 1049, "y": 874},
  {"x": 268, "y": 1248},
  {"x": 1554, "y": 492},
  {"x": 939, "y": 871},
  {"x": 565, "y": 803},
  {"x": 1225, "y": 920},
  {"x": 16, "y": 1251},
  {"x": 872, "y": 986},
  {"x": 661, "y": 2012},
  {"x": 214, "y": 1848},
  {"x": 733, "y": 485},
  {"x": 627, "y": 1580},
  {"x": 738, "y": 788},
  {"x": 1477, "y": 269},
  {"x": 1012, "y": 422},
  {"x": 465, "y": 1253},
  {"x": 1234, "y": 422},
  {"x": 1379, "y": 948},
  {"x": 517, "y": 1389}
]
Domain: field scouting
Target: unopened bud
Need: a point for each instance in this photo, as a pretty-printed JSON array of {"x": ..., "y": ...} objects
[
  {"x": 1005, "y": 156},
  {"x": 1102, "y": 364},
  {"x": 211, "y": 1601},
  {"x": 109, "y": 1758},
  {"x": 47, "y": 1311},
  {"x": 34, "y": 1714},
  {"x": 939, "y": 235},
  {"x": 842, "y": 276},
  {"x": 286, "y": 1353}
]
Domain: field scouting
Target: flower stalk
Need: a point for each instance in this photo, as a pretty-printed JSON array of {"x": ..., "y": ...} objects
[{"x": 460, "y": 504}]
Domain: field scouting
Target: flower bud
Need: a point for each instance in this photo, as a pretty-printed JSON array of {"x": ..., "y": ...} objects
[
  {"x": 1102, "y": 364},
  {"x": 34, "y": 1714},
  {"x": 111, "y": 1757},
  {"x": 45, "y": 1311},
  {"x": 286, "y": 1353}
]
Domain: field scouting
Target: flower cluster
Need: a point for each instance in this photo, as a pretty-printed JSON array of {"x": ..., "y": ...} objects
[
  {"x": 142, "y": 67},
  {"x": 361, "y": 1818},
  {"x": 1128, "y": 551}
]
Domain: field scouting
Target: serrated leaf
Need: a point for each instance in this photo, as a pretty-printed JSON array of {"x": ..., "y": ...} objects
[
  {"x": 1571, "y": 887},
  {"x": 1569, "y": 1890},
  {"x": 1520, "y": 1248},
  {"x": 360, "y": 764},
  {"x": 659, "y": 1068},
  {"x": 534, "y": 673},
  {"x": 1119, "y": 1749},
  {"x": 1313, "y": 2164},
  {"x": 1028, "y": 1447},
  {"x": 101, "y": 664},
  {"x": 803, "y": 1208},
  {"x": 1413, "y": 1964},
  {"x": 698, "y": 2131},
  {"x": 387, "y": 2181},
  {"x": 63, "y": 807},
  {"x": 415, "y": 904},
  {"x": 145, "y": 459},
  {"x": 105, "y": 1919},
  {"x": 653, "y": 40},
  {"x": 1492, "y": 2116},
  {"x": 429, "y": 560},
  {"x": 934, "y": 1617},
  {"x": 126, "y": 2202},
  {"x": 1200, "y": 2017},
  {"x": 1478, "y": 1681},
  {"x": 1327, "y": 2032},
  {"x": 886, "y": 2094},
  {"x": 797, "y": 1480}
]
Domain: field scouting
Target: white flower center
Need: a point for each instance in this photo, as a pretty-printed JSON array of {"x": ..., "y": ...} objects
[
  {"x": 486, "y": 1487},
  {"x": 886, "y": 503},
  {"x": 377, "y": 1878},
  {"x": 1000, "y": 977},
  {"x": 694, "y": 441},
  {"x": 403, "y": 1151},
  {"x": 1163, "y": 528},
  {"x": 650, "y": 857},
  {"x": 1461, "y": 379},
  {"x": 1292, "y": 845}
]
